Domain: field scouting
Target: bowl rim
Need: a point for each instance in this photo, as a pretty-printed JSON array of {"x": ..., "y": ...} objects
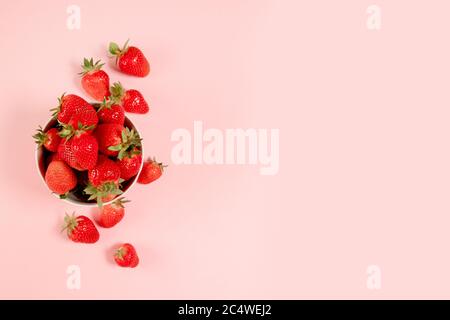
[{"x": 39, "y": 152}]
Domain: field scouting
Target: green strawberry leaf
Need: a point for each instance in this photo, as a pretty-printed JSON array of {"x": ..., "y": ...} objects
[
  {"x": 114, "y": 48},
  {"x": 117, "y": 91},
  {"x": 115, "y": 148},
  {"x": 121, "y": 154}
]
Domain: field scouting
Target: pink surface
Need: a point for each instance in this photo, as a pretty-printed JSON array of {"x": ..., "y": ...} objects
[{"x": 364, "y": 157}]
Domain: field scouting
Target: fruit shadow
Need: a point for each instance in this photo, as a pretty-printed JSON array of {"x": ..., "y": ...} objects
[
  {"x": 94, "y": 213},
  {"x": 109, "y": 253},
  {"x": 21, "y": 150},
  {"x": 59, "y": 227},
  {"x": 75, "y": 66},
  {"x": 111, "y": 64}
]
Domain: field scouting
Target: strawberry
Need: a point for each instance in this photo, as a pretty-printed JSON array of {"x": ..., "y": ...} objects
[
  {"x": 130, "y": 164},
  {"x": 151, "y": 171},
  {"x": 104, "y": 180},
  {"x": 79, "y": 149},
  {"x": 80, "y": 229},
  {"x": 115, "y": 140},
  {"x": 132, "y": 100},
  {"x": 85, "y": 150},
  {"x": 50, "y": 139},
  {"x": 108, "y": 134},
  {"x": 94, "y": 80},
  {"x": 85, "y": 117},
  {"x": 60, "y": 178},
  {"x": 109, "y": 112},
  {"x": 105, "y": 170},
  {"x": 126, "y": 256},
  {"x": 68, "y": 106},
  {"x": 65, "y": 153},
  {"x": 130, "y": 60},
  {"x": 111, "y": 214}
]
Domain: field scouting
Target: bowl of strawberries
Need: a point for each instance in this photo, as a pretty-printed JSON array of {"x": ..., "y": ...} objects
[{"x": 89, "y": 153}]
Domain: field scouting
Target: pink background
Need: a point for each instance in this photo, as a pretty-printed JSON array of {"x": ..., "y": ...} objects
[{"x": 364, "y": 158}]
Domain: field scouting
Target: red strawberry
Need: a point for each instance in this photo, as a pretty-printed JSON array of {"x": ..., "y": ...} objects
[
  {"x": 110, "y": 112},
  {"x": 126, "y": 256},
  {"x": 108, "y": 134},
  {"x": 132, "y": 100},
  {"x": 50, "y": 139},
  {"x": 130, "y": 60},
  {"x": 111, "y": 214},
  {"x": 104, "y": 180},
  {"x": 68, "y": 106},
  {"x": 115, "y": 140},
  {"x": 80, "y": 229},
  {"x": 85, "y": 150},
  {"x": 151, "y": 171},
  {"x": 60, "y": 178},
  {"x": 105, "y": 170},
  {"x": 130, "y": 164},
  {"x": 65, "y": 153},
  {"x": 94, "y": 80},
  {"x": 79, "y": 149},
  {"x": 86, "y": 117}
]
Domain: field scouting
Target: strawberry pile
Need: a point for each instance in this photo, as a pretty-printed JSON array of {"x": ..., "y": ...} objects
[{"x": 92, "y": 153}]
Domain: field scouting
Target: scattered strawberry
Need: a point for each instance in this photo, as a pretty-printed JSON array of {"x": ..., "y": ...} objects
[
  {"x": 68, "y": 106},
  {"x": 50, "y": 139},
  {"x": 126, "y": 256},
  {"x": 104, "y": 180},
  {"x": 151, "y": 171},
  {"x": 111, "y": 214},
  {"x": 94, "y": 80},
  {"x": 115, "y": 140},
  {"x": 60, "y": 178},
  {"x": 80, "y": 229},
  {"x": 110, "y": 112},
  {"x": 130, "y": 163},
  {"x": 79, "y": 149},
  {"x": 130, "y": 60},
  {"x": 132, "y": 100}
]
